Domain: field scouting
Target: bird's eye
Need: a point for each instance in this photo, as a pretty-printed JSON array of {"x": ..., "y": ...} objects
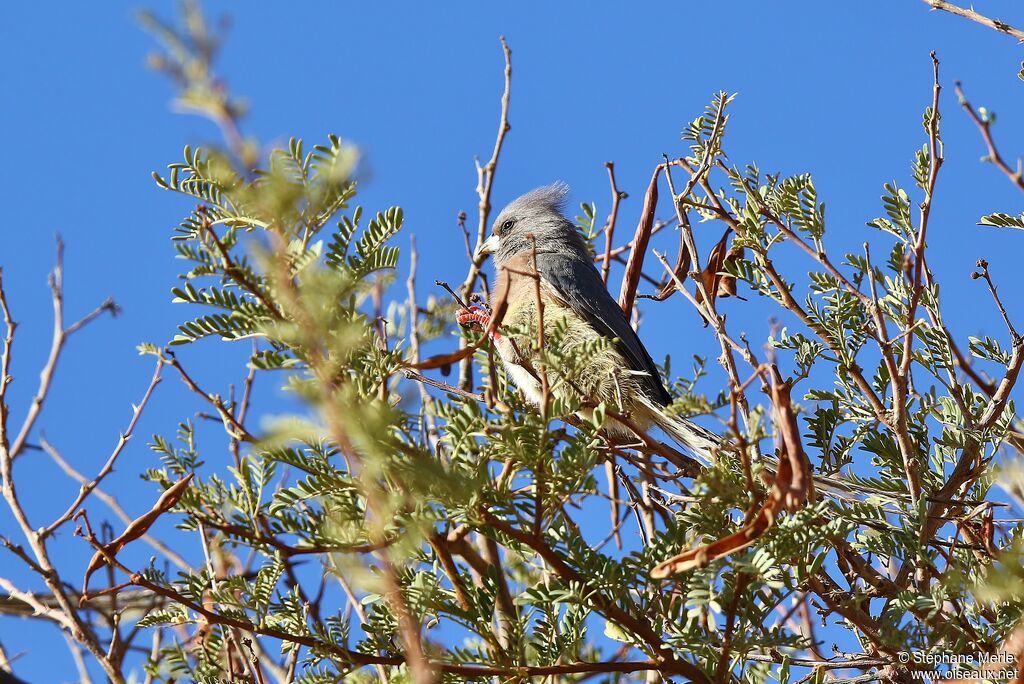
[{"x": 507, "y": 226}]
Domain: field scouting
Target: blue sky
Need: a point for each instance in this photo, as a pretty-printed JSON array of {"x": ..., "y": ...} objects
[{"x": 836, "y": 88}]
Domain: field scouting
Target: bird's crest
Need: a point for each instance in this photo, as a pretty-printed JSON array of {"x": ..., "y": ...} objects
[{"x": 551, "y": 197}]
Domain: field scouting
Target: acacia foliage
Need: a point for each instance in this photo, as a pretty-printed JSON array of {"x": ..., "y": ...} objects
[{"x": 402, "y": 527}]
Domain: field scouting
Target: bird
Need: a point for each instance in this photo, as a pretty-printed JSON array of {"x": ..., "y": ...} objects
[{"x": 532, "y": 241}]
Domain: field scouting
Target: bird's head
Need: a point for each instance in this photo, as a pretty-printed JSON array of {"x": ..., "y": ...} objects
[{"x": 537, "y": 215}]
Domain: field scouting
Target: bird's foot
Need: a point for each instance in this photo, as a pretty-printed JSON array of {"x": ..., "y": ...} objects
[
  {"x": 479, "y": 319},
  {"x": 474, "y": 318}
]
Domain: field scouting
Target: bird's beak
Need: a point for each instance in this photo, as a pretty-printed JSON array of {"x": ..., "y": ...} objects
[{"x": 490, "y": 246}]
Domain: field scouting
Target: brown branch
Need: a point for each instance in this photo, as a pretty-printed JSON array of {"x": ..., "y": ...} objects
[
  {"x": 830, "y": 592},
  {"x": 997, "y": 404},
  {"x": 5, "y": 364},
  {"x": 440, "y": 546},
  {"x": 608, "y": 607},
  {"x": 609, "y": 226},
  {"x": 485, "y": 184},
  {"x": 426, "y": 401},
  {"x": 901, "y": 382},
  {"x": 238, "y": 275},
  {"x": 742, "y": 580},
  {"x": 964, "y": 363},
  {"x": 122, "y": 441},
  {"x": 60, "y": 337},
  {"x": 983, "y": 265},
  {"x": 289, "y": 550},
  {"x": 363, "y": 659},
  {"x": 79, "y": 630},
  {"x": 20, "y": 602},
  {"x": 985, "y": 127},
  {"x": 451, "y": 389},
  {"x": 970, "y": 14},
  {"x": 232, "y": 425},
  {"x": 113, "y": 505}
]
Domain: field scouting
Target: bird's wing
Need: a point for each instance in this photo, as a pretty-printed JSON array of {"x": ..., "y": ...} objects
[{"x": 579, "y": 284}]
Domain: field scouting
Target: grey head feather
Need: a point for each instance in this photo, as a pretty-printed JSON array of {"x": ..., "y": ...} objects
[
  {"x": 552, "y": 196},
  {"x": 538, "y": 213}
]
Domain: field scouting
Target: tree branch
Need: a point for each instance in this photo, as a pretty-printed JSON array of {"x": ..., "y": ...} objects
[{"x": 970, "y": 14}]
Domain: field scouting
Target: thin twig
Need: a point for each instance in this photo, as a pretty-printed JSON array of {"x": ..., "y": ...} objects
[
  {"x": 58, "y": 340},
  {"x": 985, "y": 127},
  {"x": 79, "y": 630},
  {"x": 113, "y": 505},
  {"x": 484, "y": 186},
  {"x": 426, "y": 401},
  {"x": 5, "y": 364},
  {"x": 742, "y": 580},
  {"x": 364, "y": 620},
  {"x": 624, "y": 617},
  {"x": 232, "y": 425},
  {"x": 984, "y": 273},
  {"x": 900, "y": 383},
  {"x": 459, "y": 392},
  {"x": 122, "y": 441},
  {"x": 609, "y": 226}
]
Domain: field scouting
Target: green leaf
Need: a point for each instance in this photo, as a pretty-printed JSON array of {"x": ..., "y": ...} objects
[
  {"x": 1001, "y": 220},
  {"x": 988, "y": 349}
]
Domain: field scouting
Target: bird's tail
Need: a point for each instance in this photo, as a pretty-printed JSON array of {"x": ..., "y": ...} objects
[
  {"x": 702, "y": 442},
  {"x": 706, "y": 445}
]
